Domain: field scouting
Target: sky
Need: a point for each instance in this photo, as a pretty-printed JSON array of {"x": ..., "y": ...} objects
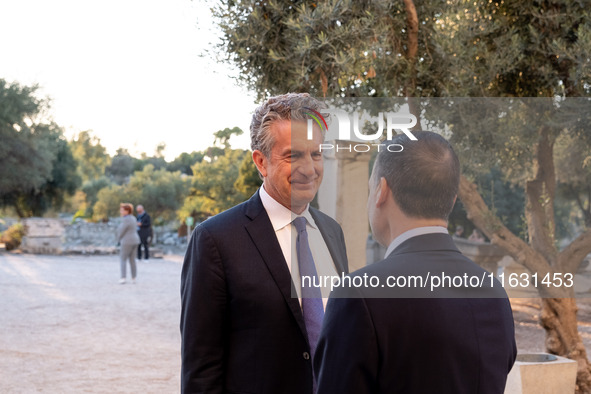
[{"x": 135, "y": 72}]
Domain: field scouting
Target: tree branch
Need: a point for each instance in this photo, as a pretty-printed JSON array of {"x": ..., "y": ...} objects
[
  {"x": 500, "y": 235},
  {"x": 572, "y": 256}
]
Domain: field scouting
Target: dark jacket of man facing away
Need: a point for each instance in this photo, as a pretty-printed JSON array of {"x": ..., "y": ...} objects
[
  {"x": 242, "y": 331},
  {"x": 144, "y": 229},
  {"x": 410, "y": 338}
]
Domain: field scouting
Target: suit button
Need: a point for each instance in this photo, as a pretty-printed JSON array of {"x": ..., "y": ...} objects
[{"x": 306, "y": 356}]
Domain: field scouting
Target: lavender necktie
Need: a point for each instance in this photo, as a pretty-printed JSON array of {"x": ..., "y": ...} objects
[{"x": 312, "y": 306}]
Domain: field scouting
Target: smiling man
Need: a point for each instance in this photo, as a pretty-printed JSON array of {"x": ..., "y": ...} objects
[{"x": 242, "y": 330}]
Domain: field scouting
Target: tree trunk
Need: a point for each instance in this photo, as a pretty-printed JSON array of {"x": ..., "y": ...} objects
[
  {"x": 559, "y": 319},
  {"x": 412, "y": 49},
  {"x": 540, "y": 193},
  {"x": 558, "y": 316}
]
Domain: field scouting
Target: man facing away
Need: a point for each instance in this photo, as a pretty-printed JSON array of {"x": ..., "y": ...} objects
[
  {"x": 242, "y": 330},
  {"x": 144, "y": 229},
  {"x": 401, "y": 337}
]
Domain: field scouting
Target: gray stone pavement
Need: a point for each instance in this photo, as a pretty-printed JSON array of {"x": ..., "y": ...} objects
[{"x": 68, "y": 326}]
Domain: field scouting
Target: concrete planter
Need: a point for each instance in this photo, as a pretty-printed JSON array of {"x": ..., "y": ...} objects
[{"x": 542, "y": 373}]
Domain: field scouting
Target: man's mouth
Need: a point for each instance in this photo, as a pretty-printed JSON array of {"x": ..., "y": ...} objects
[{"x": 303, "y": 182}]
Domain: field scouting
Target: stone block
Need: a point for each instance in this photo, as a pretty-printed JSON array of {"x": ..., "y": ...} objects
[
  {"x": 42, "y": 245},
  {"x": 40, "y": 227},
  {"x": 42, "y": 236},
  {"x": 541, "y": 373}
]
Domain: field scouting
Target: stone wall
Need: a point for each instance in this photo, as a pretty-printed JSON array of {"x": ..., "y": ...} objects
[
  {"x": 91, "y": 238},
  {"x": 100, "y": 238},
  {"x": 98, "y": 234}
]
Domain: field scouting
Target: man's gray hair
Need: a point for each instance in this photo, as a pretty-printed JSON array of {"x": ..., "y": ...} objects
[{"x": 290, "y": 106}]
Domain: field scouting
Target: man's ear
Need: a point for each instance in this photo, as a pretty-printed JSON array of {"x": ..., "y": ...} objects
[
  {"x": 383, "y": 190},
  {"x": 260, "y": 160}
]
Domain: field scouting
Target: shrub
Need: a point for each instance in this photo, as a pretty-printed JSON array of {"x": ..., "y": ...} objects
[{"x": 13, "y": 236}]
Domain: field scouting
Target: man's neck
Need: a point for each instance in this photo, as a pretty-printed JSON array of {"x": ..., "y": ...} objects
[
  {"x": 403, "y": 225},
  {"x": 295, "y": 209}
]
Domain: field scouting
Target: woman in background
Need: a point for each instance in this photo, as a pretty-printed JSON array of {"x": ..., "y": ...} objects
[{"x": 129, "y": 239}]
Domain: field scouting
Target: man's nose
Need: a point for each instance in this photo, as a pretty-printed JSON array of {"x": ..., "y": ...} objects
[{"x": 306, "y": 166}]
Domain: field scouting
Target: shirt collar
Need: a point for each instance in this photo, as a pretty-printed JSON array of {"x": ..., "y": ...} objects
[
  {"x": 413, "y": 233},
  {"x": 279, "y": 215}
]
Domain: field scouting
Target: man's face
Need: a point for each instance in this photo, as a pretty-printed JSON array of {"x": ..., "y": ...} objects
[
  {"x": 139, "y": 209},
  {"x": 293, "y": 171}
]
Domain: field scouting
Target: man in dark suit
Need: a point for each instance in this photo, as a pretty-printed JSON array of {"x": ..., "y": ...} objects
[
  {"x": 242, "y": 329},
  {"x": 430, "y": 320},
  {"x": 144, "y": 229}
]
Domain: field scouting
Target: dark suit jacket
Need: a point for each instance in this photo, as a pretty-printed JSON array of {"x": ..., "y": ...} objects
[
  {"x": 426, "y": 344},
  {"x": 145, "y": 228},
  {"x": 242, "y": 332}
]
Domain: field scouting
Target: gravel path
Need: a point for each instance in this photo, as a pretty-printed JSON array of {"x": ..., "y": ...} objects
[{"x": 68, "y": 326}]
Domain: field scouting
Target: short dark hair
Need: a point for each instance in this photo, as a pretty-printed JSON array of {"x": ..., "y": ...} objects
[
  {"x": 424, "y": 177},
  {"x": 277, "y": 108}
]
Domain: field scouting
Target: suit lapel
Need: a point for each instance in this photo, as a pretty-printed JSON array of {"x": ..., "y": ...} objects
[
  {"x": 262, "y": 234},
  {"x": 335, "y": 248}
]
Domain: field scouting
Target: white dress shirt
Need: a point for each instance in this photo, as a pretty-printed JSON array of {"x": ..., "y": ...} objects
[
  {"x": 281, "y": 220},
  {"x": 413, "y": 233}
]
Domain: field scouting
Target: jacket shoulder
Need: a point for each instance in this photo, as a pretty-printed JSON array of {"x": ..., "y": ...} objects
[{"x": 233, "y": 217}]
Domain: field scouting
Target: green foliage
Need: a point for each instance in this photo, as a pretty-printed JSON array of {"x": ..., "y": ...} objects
[
  {"x": 330, "y": 48},
  {"x": 64, "y": 180},
  {"x": 505, "y": 199},
  {"x": 248, "y": 180},
  {"x": 24, "y": 159},
  {"x": 91, "y": 189},
  {"x": 185, "y": 161},
  {"x": 516, "y": 48},
  {"x": 222, "y": 137},
  {"x": 573, "y": 171},
  {"x": 92, "y": 157},
  {"x": 157, "y": 161},
  {"x": 38, "y": 167},
  {"x": 13, "y": 236},
  {"x": 108, "y": 200},
  {"x": 161, "y": 192},
  {"x": 212, "y": 187},
  {"x": 465, "y": 49},
  {"x": 122, "y": 166}
]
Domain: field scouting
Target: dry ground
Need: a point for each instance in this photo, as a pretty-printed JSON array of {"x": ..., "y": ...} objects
[{"x": 67, "y": 326}]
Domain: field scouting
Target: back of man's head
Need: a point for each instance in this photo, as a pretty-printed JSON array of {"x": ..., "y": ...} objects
[{"x": 424, "y": 177}]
